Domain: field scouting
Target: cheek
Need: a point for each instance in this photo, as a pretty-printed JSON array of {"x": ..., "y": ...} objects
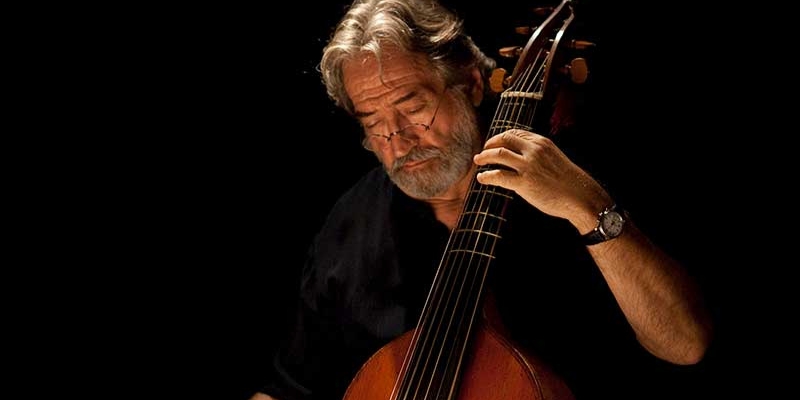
[
  {"x": 385, "y": 157},
  {"x": 437, "y": 138}
]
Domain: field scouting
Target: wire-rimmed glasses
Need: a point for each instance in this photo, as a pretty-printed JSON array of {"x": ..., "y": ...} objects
[{"x": 408, "y": 133}]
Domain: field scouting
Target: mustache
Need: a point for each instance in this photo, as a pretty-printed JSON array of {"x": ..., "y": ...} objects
[{"x": 417, "y": 154}]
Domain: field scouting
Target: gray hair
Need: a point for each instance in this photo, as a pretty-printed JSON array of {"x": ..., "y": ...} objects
[{"x": 416, "y": 26}]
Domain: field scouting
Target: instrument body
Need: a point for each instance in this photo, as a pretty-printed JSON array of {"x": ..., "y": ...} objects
[{"x": 496, "y": 369}]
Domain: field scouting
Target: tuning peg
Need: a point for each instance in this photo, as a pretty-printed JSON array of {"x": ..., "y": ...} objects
[
  {"x": 497, "y": 81},
  {"x": 577, "y": 70},
  {"x": 580, "y": 44},
  {"x": 511, "y": 51}
]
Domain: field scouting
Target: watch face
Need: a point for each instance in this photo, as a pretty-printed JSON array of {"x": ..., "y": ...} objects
[{"x": 611, "y": 224}]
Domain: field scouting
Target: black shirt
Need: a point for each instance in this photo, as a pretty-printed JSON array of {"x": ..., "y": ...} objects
[{"x": 370, "y": 268}]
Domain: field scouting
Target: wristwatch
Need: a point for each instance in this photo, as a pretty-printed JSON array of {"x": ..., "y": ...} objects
[{"x": 610, "y": 223}]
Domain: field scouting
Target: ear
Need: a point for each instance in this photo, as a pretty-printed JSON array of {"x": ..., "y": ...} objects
[{"x": 476, "y": 89}]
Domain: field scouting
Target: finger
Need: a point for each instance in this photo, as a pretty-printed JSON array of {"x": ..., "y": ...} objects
[
  {"x": 500, "y": 156},
  {"x": 497, "y": 177},
  {"x": 515, "y": 139}
]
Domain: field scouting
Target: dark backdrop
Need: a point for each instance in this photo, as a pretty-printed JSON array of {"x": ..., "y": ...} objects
[{"x": 234, "y": 155}]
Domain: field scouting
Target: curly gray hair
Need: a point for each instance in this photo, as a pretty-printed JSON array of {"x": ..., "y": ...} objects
[{"x": 417, "y": 26}]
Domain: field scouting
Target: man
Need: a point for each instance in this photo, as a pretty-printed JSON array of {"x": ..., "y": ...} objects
[{"x": 579, "y": 297}]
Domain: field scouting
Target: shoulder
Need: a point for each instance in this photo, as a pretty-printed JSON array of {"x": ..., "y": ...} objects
[
  {"x": 372, "y": 191},
  {"x": 371, "y": 186},
  {"x": 357, "y": 213}
]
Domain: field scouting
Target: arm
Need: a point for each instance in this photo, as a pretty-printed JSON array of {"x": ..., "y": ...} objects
[
  {"x": 262, "y": 396},
  {"x": 658, "y": 297}
]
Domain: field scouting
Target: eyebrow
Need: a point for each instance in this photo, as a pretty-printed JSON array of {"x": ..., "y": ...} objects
[{"x": 404, "y": 98}]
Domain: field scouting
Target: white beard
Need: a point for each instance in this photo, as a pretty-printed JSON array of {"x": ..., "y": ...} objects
[{"x": 447, "y": 165}]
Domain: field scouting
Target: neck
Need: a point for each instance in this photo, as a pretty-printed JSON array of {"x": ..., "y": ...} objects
[{"x": 447, "y": 206}]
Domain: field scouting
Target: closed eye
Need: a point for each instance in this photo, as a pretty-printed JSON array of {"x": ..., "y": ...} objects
[
  {"x": 407, "y": 106},
  {"x": 373, "y": 124},
  {"x": 415, "y": 110}
]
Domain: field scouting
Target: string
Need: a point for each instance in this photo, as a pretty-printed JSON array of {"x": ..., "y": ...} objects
[
  {"x": 470, "y": 240},
  {"x": 435, "y": 357}
]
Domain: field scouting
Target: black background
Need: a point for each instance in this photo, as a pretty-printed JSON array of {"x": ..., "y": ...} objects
[{"x": 223, "y": 154}]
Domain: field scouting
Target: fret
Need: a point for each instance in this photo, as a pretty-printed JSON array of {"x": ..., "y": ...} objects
[
  {"x": 504, "y": 125},
  {"x": 490, "y": 189},
  {"x": 479, "y": 221},
  {"x": 516, "y": 104},
  {"x": 475, "y": 243},
  {"x": 472, "y": 252},
  {"x": 475, "y": 215},
  {"x": 459, "y": 232}
]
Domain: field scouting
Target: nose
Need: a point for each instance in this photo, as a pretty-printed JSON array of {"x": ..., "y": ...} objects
[{"x": 401, "y": 144}]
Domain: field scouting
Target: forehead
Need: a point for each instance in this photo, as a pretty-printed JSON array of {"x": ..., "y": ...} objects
[{"x": 369, "y": 82}]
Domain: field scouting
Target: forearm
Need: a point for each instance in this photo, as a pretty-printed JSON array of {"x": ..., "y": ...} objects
[
  {"x": 262, "y": 396},
  {"x": 658, "y": 297}
]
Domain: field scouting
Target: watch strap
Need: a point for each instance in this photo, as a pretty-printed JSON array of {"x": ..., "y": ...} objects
[{"x": 594, "y": 237}]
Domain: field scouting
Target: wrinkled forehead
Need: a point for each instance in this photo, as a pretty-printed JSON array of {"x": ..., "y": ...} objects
[{"x": 367, "y": 78}]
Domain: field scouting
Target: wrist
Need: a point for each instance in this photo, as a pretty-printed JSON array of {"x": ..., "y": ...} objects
[
  {"x": 585, "y": 219},
  {"x": 609, "y": 225}
]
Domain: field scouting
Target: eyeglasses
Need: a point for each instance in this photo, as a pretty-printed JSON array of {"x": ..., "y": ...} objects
[{"x": 408, "y": 133}]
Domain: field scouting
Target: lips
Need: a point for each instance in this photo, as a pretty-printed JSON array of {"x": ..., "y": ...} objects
[{"x": 414, "y": 164}]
